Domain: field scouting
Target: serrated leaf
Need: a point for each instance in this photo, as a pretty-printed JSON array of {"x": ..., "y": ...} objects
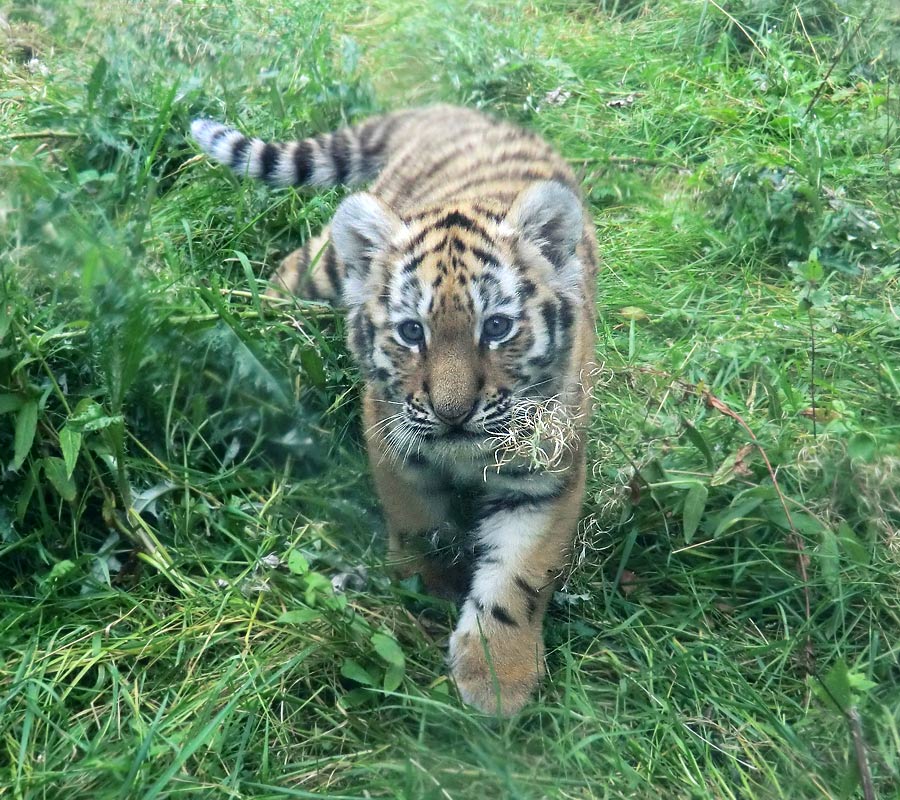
[
  {"x": 55, "y": 470},
  {"x": 70, "y": 444},
  {"x": 60, "y": 570},
  {"x": 89, "y": 416},
  {"x": 355, "y": 671},
  {"x": 26, "y": 425},
  {"x": 299, "y": 616},
  {"x": 388, "y": 648},
  {"x": 98, "y": 75},
  {"x": 297, "y": 563},
  {"x": 694, "y": 506}
]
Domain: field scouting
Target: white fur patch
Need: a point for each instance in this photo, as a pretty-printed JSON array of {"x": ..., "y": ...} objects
[{"x": 510, "y": 535}]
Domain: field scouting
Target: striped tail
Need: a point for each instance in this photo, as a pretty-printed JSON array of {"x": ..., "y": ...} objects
[{"x": 346, "y": 156}]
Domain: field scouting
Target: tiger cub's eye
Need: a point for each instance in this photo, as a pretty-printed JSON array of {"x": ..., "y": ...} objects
[
  {"x": 411, "y": 331},
  {"x": 496, "y": 327}
]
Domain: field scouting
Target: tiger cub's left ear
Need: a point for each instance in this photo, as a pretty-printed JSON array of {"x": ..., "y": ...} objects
[
  {"x": 551, "y": 217},
  {"x": 362, "y": 227}
]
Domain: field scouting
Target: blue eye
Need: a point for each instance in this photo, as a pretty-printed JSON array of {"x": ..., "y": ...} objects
[
  {"x": 411, "y": 331},
  {"x": 496, "y": 327}
]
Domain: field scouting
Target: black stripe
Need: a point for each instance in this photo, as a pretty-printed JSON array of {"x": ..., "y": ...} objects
[
  {"x": 303, "y": 162},
  {"x": 531, "y": 596},
  {"x": 237, "y": 152},
  {"x": 486, "y": 258},
  {"x": 340, "y": 155},
  {"x": 267, "y": 160},
  {"x": 331, "y": 268},
  {"x": 223, "y": 131},
  {"x": 529, "y": 172},
  {"x": 527, "y": 288},
  {"x": 362, "y": 332},
  {"x": 566, "y": 319},
  {"x": 413, "y": 263},
  {"x": 490, "y": 213},
  {"x": 310, "y": 290},
  {"x": 512, "y": 501},
  {"x": 548, "y": 312},
  {"x": 456, "y": 219},
  {"x": 500, "y": 614}
]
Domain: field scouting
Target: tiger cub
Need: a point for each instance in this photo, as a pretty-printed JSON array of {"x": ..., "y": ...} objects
[{"x": 468, "y": 272}]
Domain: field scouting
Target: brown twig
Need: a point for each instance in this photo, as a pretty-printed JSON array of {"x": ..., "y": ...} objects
[{"x": 862, "y": 759}]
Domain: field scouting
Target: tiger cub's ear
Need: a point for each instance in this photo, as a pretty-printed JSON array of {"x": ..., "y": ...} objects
[
  {"x": 362, "y": 227},
  {"x": 551, "y": 217}
]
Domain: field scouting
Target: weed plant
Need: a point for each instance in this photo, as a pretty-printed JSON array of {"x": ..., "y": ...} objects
[{"x": 181, "y": 473}]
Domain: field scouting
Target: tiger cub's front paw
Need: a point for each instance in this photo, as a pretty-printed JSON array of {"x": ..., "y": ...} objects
[{"x": 495, "y": 670}]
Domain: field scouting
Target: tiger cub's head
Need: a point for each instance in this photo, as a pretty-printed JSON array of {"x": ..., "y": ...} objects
[{"x": 456, "y": 314}]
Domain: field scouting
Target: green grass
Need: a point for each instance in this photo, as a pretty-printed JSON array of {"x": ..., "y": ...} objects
[{"x": 181, "y": 470}]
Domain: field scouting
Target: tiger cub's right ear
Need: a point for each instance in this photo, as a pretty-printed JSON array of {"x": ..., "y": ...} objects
[{"x": 362, "y": 227}]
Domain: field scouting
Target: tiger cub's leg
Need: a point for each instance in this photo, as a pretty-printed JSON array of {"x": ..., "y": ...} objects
[
  {"x": 417, "y": 512},
  {"x": 497, "y": 649},
  {"x": 312, "y": 272}
]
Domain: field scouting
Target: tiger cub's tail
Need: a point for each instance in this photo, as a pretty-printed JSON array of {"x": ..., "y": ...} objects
[{"x": 347, "y": 156}]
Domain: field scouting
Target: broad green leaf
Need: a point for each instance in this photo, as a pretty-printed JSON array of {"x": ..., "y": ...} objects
[
  {"x": 90, "y": 416},
  {"x": 297, "y": 563},
  {"x": 694, "y": 506},
  {"x": 696, "y": 438},
  {"x": 5, "y": 320},
  {"x": 733, "y": 515},
  {"x": 842, "y": 687},
  {"x": 70, "y": 443},
  {"x": 60, "y": 570},
  {"x": 10, "y": 402},
  {"x": 357, "y": 672},
  {"x": 387, "y": 647},
  {"x": 312, "y": 365},
  {"x": 735, "y": 464},
  {"x": 26, "y": 425},
  {"x": 850, "y": 545},
  {"x": 393, "y": 677},
  {"x": 55, "y": 470},
  {"x": 316, "y": 584},
  {"x": 299, "y": 616}
]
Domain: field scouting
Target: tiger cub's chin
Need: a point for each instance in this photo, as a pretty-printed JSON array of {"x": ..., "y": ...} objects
[{"x": 467, "y": 270}]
